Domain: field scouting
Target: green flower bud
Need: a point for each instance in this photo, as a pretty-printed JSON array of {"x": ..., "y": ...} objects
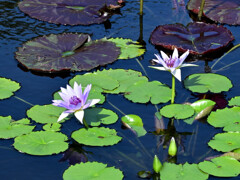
[
  {"x": 172, "y": 150},
  {"x": 157, "y": 165}
]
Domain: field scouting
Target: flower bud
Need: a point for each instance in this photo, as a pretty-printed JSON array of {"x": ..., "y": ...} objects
[
  {"x": 172, "y": 150},
  {"x": 157, "y": 165}
]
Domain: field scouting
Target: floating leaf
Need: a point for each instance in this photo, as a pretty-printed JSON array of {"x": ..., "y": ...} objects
[
  {"x": 41, "y": 143},
  {"x": 7, "y": 87},
  {"x": 96, "y": 136},
  {"x": 68, "y": 11},
  {"x": 52, "y": 127},
  {"x": 235, "y": 101},
  {"x": 202, "y": 83},
  {"x": 203, "y": 107},
  {"x": 129, "y": 48},
  {"x": 223, "y": 166},
  {"x": 218, "y": 10},
  {"x": 197, "y": 37},
  {"x": 135, "y": 123},
  {"x": 181, "y": 172},
  {"x": 67, "y": 51},
  {"x": 229, "y": 118},
  {"x": 225, "y": 142},
  {"x": 143, "y": 92},
  {"x": 96, "y": 116},
  {"x": 11, "y": 129},
  {"x": 45, "y": 114},
  {"x": 92, "y": 170},
  {"x": 178, "y": 111}
]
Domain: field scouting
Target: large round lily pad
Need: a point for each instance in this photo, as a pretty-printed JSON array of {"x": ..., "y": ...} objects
[
  {"x": 92, "y": 170},
  {"x": 7, "y": 87},
  {"x": 226, "y": 11},
  {"x": 66, "y": 52},
  {"x": 70, "y": 12},
  {"x": 197, "y": 37},
  {"x": 41, "y": 143}
]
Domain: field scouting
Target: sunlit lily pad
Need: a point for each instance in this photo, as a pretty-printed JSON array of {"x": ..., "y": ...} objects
[
  {"x": 66, "y": 52},
  {"x": 178, "y": 111},
  {"x": 129, "y": 48},
  {"x": 223, "y": 166},
  {"x": 92, "y": 170},
  {"x": 198, "y": 37},
  {"x": 235, "y": 101},
  {"x": 52, "y": 127},
  {"x": 229, "y": 118},
  {"x": 69, "y": 11},
  {"x": 225, "y": 142},
  {"x": 202, "y": 83},
  {"x": 10, "y": 129},
  {"x": 203, "y": 107},
  {"x": 181, "y": 172},
  {"x": 7, "y": 87},
  {"x": 218, "y": 10},
  {"x": 97, "y": 116},
  {"x": 41, "y": 143},
  {"x": 143, "y": 92},
  {"x": 96, "y": 136}
]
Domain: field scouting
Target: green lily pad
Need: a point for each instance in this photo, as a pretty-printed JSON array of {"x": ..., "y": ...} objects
[
  {"x": 225, "y": 142},
  {"x": 52, "y": 127},
  {"x": 135, "y": 123},
  {"x": 177, "y": 111},
  {"x": 203, "y": 107},
  {"x": 7, "y": 87},
  {"x": 143, "y": 92},
  {"x": 92, "y": 170},
  {"x": 234, "y": 101},
  {"x": 45, "y": 114},
  {"x": 202, "y": 83},
  {"x": 11, "y": 129},
  {"x": 96, "y": 136},
  {"x": 223, "y": 166},
  {"x": 129, "y": 48},
  {"x": 41, "y": 143},
  {"x": 186, "y": 171},
  {"x": 229, "y": 118},
  {"x": 96, "y": 116}
]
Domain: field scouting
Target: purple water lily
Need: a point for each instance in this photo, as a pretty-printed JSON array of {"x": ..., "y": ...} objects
[
  {"x": 74, "y": 101},
  {"x": 172, "y": 64}
]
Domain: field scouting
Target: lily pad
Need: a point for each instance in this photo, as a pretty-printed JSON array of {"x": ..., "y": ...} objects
[
  {"x": 52, "y": 127},
  {"x": 92, "y": 170},
  {"x": 199, "y": 38},
  {"x": 181, "y": 172},
  {"x": 96, "y": 136},
  {"x": 235, "y": 101},
  {"x": 177, "y": 111},
  {"x": 66, "y": 52},
  {"x": 223, "y": 166},
  {"x": 203, "y": 107},
  {"x": 11, "y": 129},
  {"x": 143, "y": 92},
  {"x": 229, "y": 118},
  {"x": 225, "y": 142},
  {"x": 69, "y": 12},
  {"x": 7, "y": 87},
  {"x": 97, "y": 116},
  {"x": 202, "y": 83},
  {"x": 41, "y": 143},
  {"x": 218, "y": 10},
  {"x": 135, "y": 123}
]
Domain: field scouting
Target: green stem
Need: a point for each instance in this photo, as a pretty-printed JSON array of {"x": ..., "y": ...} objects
[
  {"x": 173, "y": 89},
  {"x": 23, "y": 100},
  {"x": 116, "y": 108},
  {"x": 201, "y": 10},
  {"x": 85, "y": 124},
  {"x": 140, "y": 64},
  {"x": 141, "y": 7},
  {"x": 227, "y": 66}
]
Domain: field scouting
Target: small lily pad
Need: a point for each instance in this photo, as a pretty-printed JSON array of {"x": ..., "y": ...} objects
[
  {"x": 96, "y": 136},
  {"x": 178, "y": 111},
  {"x": 7, "y": 87},
  {"x": 41, "y": 143},
  {"x": 235, "y": 101},
  {"x": 203, "y": 107},
  {"x": 11, "y": 129},
  {"x": 52, "y": 127},
  {"x": 92, "y": 170},
  {"x": 223, "y": 166},
  {"x": 202, "y": 83},
  {"x": 96, "y": 116}
]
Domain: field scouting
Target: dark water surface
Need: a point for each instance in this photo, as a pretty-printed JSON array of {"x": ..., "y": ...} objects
[{"x": 17, "y": 28}]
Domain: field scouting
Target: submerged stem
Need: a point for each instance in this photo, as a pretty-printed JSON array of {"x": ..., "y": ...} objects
[
  {"x": 116, "y": 108},
  {"x": 23, "y": 100},
  {"x": 173, "y": 90}
]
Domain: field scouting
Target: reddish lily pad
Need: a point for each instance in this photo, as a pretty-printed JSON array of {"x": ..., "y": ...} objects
[
  {"x": 200, "y": 38},
  {"x": 71, "y": 12},
  {"x": 227, "y": 12},
  {"x": 67, "y": 51}
]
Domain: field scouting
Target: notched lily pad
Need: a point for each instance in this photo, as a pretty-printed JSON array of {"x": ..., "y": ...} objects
[
  {"x": 52, "y": 127},
  {"x": 178, "y": 111},
  {"x": 66, "y": 52},
  {"x": 235, "y": 101},
  {"x": 7, "y": 87},
  {"x": 199, "y": 38}
]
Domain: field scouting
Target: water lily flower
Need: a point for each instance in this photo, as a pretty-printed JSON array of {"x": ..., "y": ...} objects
[
  {"x": 74, "y": 101},
  {"x": 172, "y": 64}
]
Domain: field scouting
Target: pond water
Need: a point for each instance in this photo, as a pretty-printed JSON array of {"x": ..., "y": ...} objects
[{"x": 17, "y": 28}]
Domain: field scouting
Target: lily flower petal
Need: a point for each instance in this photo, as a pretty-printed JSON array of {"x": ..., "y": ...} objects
[
  {"x": 79, "y": 115},
  {"x": 63, "y": 115},
  {"x": 177, "y": 74}
]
